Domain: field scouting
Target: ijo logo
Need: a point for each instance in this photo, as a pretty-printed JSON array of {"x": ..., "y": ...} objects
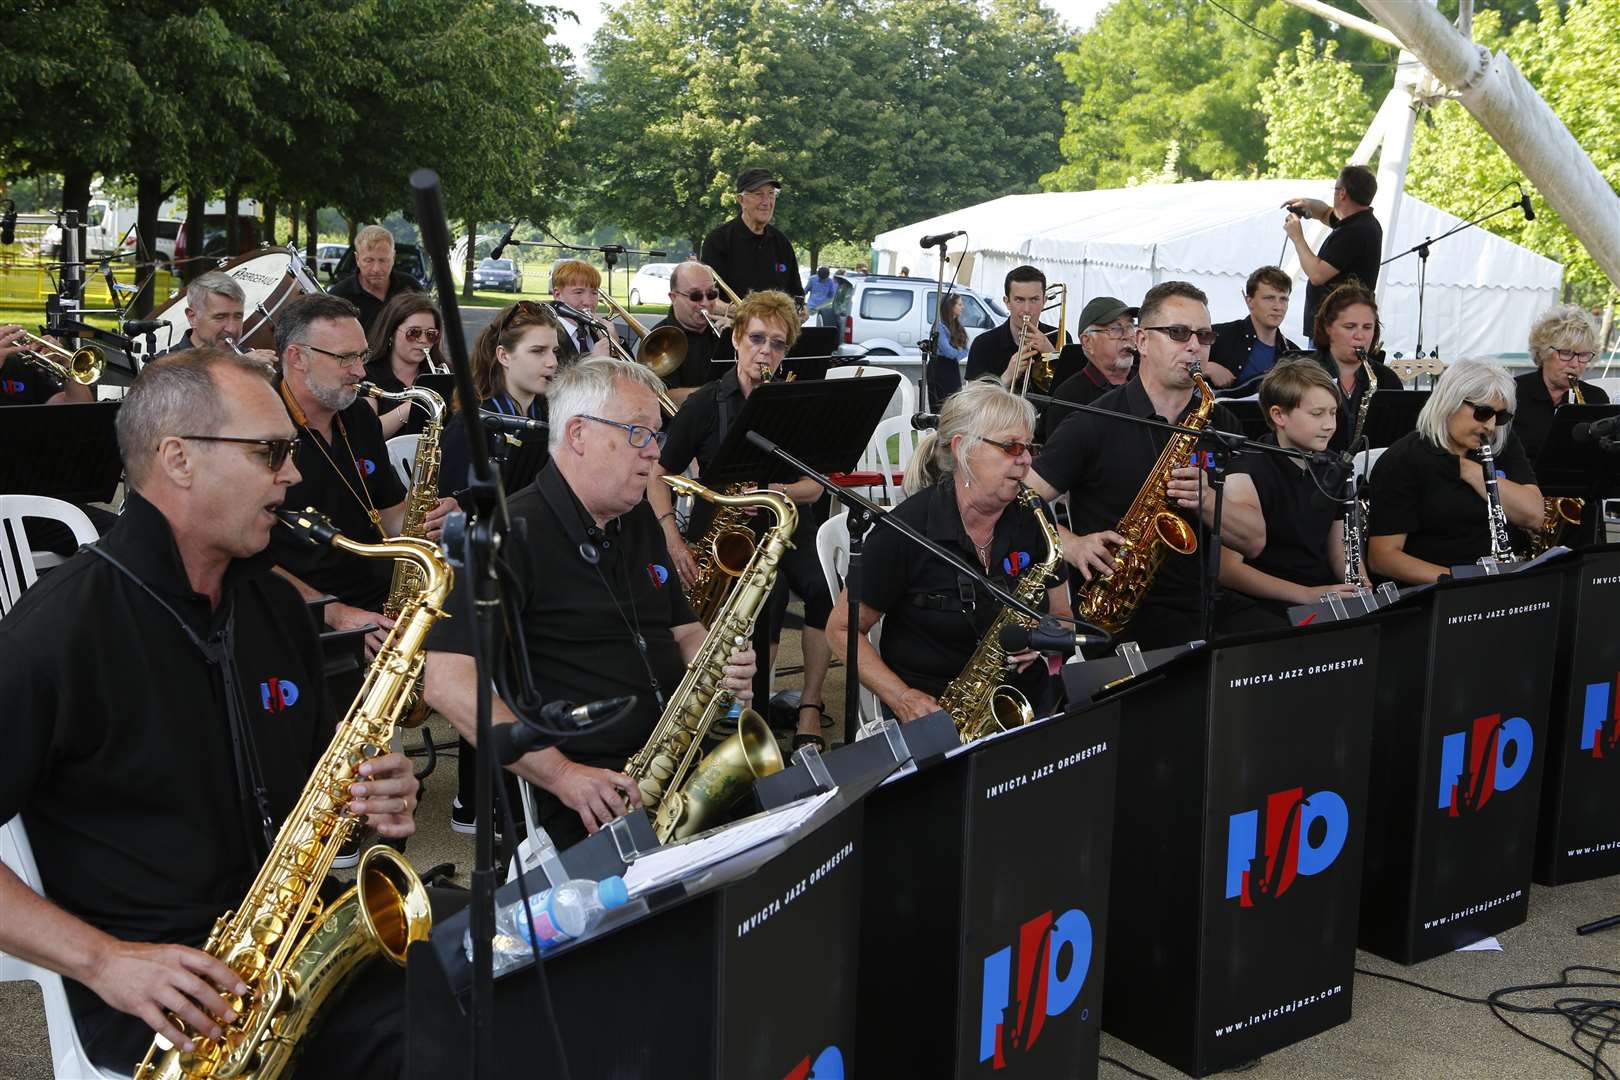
[
  {"x": 1053, "y": 958},
  {"x": 659, "y": 574},
  {"x": 278, "y": 694},
  {"x": 1490, "y": 755},
  {"x": 1302, "y": 837},
  {"x": 1602, "y": 710},
  {"x": 1015, "y": 562},
  {"x": 13, "y": 386},
  {"x": 365, "y": 465},
  {"x": 829, "y": 1065}
]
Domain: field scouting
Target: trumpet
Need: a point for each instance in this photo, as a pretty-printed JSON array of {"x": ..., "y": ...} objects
[
  {"x": 1041, "y": 370},
  {"x": 663, "y": 350},
  {"x": 83, "y": 366}
]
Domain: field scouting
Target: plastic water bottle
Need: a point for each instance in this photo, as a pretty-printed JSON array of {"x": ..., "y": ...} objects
[{"x": 560, "y": 914}]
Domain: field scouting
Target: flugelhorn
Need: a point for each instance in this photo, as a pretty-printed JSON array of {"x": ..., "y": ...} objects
[{"x": 82, "y": 366}]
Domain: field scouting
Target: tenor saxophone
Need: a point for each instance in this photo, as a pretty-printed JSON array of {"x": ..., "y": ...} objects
[
  {"x": 978, "y": 702},
  {"x": 688, "y": 799},
  {"x": 722, "y": 553},
  {"x": 291, "y": 951},
  {"x": 1149, "y": 527},
  {"x": 1558, "y": 511}
]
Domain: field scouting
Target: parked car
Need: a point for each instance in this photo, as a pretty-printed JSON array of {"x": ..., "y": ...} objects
[
  {"x": 163, "y": 247},
  {"x": 408, "y": 259},
  {"x": 651, "y": 284},
  {"x": 887, "y": 315},
  {"x": 327, "y": 257},
  {"x": 247, "y": 236},
  {"x": 498, "y": 274}
]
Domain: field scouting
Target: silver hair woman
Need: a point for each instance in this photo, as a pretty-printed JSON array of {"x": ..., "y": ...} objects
[
  {"x": 980, "y": 408},
  {"x": 1468, "y": 382}
]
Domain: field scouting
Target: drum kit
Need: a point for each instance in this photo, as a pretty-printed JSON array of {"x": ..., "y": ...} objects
[{"x": 271, "y": 278}]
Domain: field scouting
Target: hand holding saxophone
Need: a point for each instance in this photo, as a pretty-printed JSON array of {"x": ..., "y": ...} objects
[
  {"x": 1186, "y": 487},
  {"x": 596, "y": 795},
  {"x": 1092, "y": 553},
  {"x": 162, "y": 983},
  {"x": 385, "y": 795},
  {"x": 739, "y": 674},
  {"x": 914, "y": 705},
  {"x": 434, "y": 521}
]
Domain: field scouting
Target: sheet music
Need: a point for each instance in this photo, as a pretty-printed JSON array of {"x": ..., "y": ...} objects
[{"x": 682, "y": 860}]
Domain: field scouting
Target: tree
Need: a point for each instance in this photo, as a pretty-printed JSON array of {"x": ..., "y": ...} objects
[{"x": 1315, "y": 111}]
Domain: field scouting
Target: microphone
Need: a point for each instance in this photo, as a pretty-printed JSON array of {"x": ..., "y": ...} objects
[
  {"x": 143, "y": 326},
  {"x": 512, "y": 741},
  {"x": 505, "y": 240},
  {"x": 8, "y": 224},
  {"x": 507, "y": 422},
  {"x": 1524, "y": 205},
  {"x": 924, "y": 421},
  {"x": 1299, "y": 211},
  {"x": 939, "y": 238},
  {"x": 1047, "y": 637}
]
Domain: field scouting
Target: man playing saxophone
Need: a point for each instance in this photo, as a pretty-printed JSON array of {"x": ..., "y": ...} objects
[
  {"x": 166, "y": 705},
  {"x": 598, "y": 602},
  {"x": 963, "y": 487},
  {"x": 1104, "y": 465}
]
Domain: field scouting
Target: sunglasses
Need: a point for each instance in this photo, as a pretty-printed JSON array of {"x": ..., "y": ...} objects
[
  {"x": 698, "y": 295},
  {"x": 280, "y": 449},
  {"x": 527, "y": 307},
  {"x": 1014, "y": 448},
  {"x": 760, "y": 341},
  {"x": 1182, "y": 333},
  {"x": 422, "y": 333},
  {"x": 1483, "y": 413}
]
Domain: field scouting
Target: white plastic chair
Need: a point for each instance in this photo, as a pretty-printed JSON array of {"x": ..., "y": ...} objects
[
  {"x": 1365, "y": 461},
  {"x": 832, "y": 548},
  {"x": 67, "y": 1054},
  {"x": 402, "y": 455},
  {"x": 1610, "y": 386},
  {"x": 906, "y": 446},
  {"x": 19, "y": 563},
  {"x": 904, "y": 401}
]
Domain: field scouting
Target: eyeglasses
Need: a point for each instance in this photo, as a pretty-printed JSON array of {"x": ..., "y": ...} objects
[
  {"x": 760, "y": 341},
  {"x": 526, "y": 307},
  {"x": 1182, "y": 333},
  {"x": 343, "y": 359},
  {"x": 1571, "y": 356},
  {"x": 639, "y": 434},
  {"x": 1483, "y": 413},
  {"x": 1015, "y": 448},
  {"x": 428, "y": 334},
  {"x": 698, "y": 295},
  {"x": 1118, "y": 333},
  {"x": 280, "y": 449}
]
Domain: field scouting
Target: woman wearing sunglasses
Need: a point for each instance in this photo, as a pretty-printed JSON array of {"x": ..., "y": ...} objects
[
  {"x": 1346, "y": 334},
  {"x": 962, "y": 487},
  {"x": 1427, "y": 491},
  {"x": 404, "y": 337}
]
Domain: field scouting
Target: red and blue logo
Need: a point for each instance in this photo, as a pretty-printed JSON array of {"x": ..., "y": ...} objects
[
  {"x": 1301, "y": 837},
  {"x": 13, "y": 386},
  {"x": 365, "y": 466},
  {"x": 828, "y": 1065},
  {"x": 1054, "y": 956},
  {"x": 1015, "y": 562},
  {"x": 1602, "y": 711},
  {"x": 659, "y": 574},
  {"x": 278, "y": 694},
  {"x": 1488, "y": 756}
]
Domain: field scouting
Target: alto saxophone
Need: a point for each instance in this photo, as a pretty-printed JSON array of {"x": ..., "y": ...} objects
[
  {"x": 1149, "y": 528},
  {"x": 978, "y": 702},
  {"x": 688, "y": 799},
  {"x": 1558, "y": 511},
  {"x": 722, "y": 553},
  {"x": 291, "y": 951},
  {"x": 419, "y": 502}
]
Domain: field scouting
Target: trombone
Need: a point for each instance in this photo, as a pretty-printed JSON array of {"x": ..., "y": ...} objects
[
  {"x": 663, "y": 350},
  {"x": 1041, "y": 371},
  {"x": 83, "y": 366},
  {"x": 619, "y": 351}
]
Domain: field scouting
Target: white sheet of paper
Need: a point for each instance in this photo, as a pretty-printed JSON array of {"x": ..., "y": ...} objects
[
  {"x": 1489, "y": 944},
  {"x": 682, "y": 860}
]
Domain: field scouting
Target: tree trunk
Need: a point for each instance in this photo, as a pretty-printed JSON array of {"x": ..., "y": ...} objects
[
  {"x": 196, "y": 207},
  {"x": 467, "y": 265},
  {"x": 310, "y": 212},
  {"x": 148, "y": 198},
  {"x": 76, "y": 192},
  {"x": 354, "y": 227},
  {"x": 815, "y": 256},
  {"x": 269, "y": 205},
  {"x": 233, "y": 217}
]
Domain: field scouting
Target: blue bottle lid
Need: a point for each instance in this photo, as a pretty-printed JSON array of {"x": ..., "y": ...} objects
[{"x": 612, "y": 892}]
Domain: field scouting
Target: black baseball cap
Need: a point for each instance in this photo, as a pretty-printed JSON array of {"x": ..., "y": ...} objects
[
  {"x": 749, "y": 179},
  {"x": 1101, "y": 310}
]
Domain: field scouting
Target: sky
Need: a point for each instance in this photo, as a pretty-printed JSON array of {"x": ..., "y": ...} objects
[{"x": 1078, "y": 13}]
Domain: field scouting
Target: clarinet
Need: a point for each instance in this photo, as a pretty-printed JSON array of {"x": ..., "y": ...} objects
[
  {"x": 1352, "y": 537},
  {"x": 1502, "y": 553}
]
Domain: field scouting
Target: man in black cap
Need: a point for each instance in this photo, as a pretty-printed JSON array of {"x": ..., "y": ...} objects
[
  {"x": 1108, "y": 327},
  {"x": 748, "y": 252}
]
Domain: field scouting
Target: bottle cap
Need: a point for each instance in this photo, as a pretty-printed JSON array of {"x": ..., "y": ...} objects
[{"x": 612, "y": 892}]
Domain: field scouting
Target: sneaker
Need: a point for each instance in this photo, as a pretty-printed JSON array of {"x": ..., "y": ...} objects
[
  {"x": 348, "y": 856},
  {"x": 462, "y": 820}
]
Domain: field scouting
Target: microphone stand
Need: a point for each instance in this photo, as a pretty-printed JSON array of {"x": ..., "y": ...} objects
[
  {"x": 863, "y": 513},
  {"x": 1422, "y": 252},
  {"x": 930, "y": 346}
]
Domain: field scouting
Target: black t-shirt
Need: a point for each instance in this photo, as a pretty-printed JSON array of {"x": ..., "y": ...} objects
[
  {"x": 696, "y": 433},
  {"x": 381, "y": 372},
  {"x": 336, "y": 476},
  {"x": 1350, "y": 407},
  {"x": 1416, "y": 488},
  {"x": 993, "y": 350},
  {"x": 1083, "y": 388},
  {"x": 1533, "y": 412},
  {"x": 701, "y": 347},
  {"x": 522, "y": 454},
  {"x": 355, "y": 293},
  {"x": 1354, "y": 248},
  {"x": 24, "y": 383},
  {"x": 1103, "y": 464},
  {"x": 118, "y": 748},
  {"x": 1299, "y": 519},
  {"x": 753, "y": 263},
  {"x": 933, "y": 617}
]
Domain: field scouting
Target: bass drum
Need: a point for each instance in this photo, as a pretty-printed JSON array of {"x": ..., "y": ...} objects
[{"x": 270, "y": 278}]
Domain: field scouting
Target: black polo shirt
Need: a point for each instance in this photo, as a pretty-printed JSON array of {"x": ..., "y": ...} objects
[
  {"x": 993, "y": 350},
  {"x": 1533, "y": 412},
  {"x": 333, "y": 481},
  {"x": 751, "y": 263},
  {"x": 185, "y": 344},
  {"x": 1350, "y": 407},
  {"x": 1299, "y": 518},
  {"x": 701, "y": 347},
  {"x": 118, "y": 748},
  {"x": 1102, "y": 464},
  {"x": 23, "y": 383},
  {"x": 696, "y": 432},
  {"x": 1416, "y": 489},
  {"x": 355, "y": 293},
  {"x": 1355, "y": 247},
  {"x": 1083, "y": 388},
  {"x": 381, "y": 372},
  {"x": 933, "y": 616},
  {"x": 522, "y": 454}
]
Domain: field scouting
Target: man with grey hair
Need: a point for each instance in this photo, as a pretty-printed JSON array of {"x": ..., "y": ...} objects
[
  {"x": 215, "y": 306},
  {"x": 151, "y": 782},
  {"x": 374, "y": 281},
  {"x": 594, "y": 590}
]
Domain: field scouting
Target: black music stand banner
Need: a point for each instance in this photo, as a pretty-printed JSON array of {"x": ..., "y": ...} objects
[
  {"x": 1240, "y": 828},
  {"x": 1459, "y": 742},
  {"x": 1580, "y": 804}
]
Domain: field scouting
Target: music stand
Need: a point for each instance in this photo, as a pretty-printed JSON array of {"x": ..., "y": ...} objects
[
  {"x": 69, "y": 452},
  {"x": 826, "y": 423},
  {"x": 1393, "y": 413},
  {"x": 443, "y": 385},
  {"x": 1247, "y": 410},
  {"x": 1567, "y": 467},
  {"x": 806, "y": 368},
  {"x": 815, "y": 341}
]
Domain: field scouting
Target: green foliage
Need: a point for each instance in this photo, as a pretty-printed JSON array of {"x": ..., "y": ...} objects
[{"x": 1315, "y": 110}]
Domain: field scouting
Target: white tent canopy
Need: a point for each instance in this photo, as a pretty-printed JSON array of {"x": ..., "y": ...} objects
[{"x": 1483, "y": 291}]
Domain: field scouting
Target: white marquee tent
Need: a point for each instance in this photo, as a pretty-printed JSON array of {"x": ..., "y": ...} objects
[{"x": 1483, "y": 291}]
